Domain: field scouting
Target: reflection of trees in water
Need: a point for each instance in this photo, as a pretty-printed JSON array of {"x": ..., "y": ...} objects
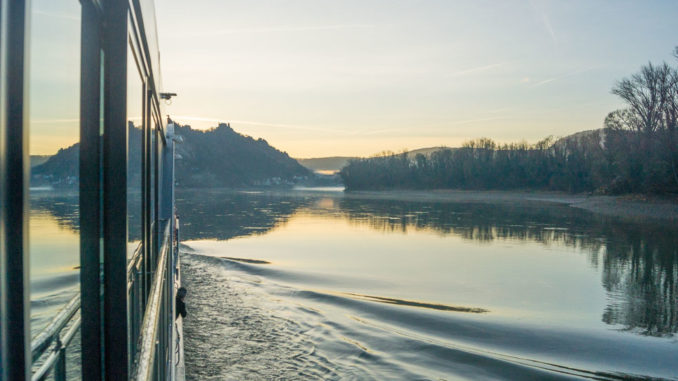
[
  {"x": 483, "y": 222},
  {"x": 641, "y": 266},
  {"x": 223, "y": 215},
  {"x": 204, "y": 214},
  {"x": 63, "y": 206},
  {"x": 639, "y": 261}
]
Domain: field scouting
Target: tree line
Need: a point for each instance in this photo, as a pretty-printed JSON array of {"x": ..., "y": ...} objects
[{"x": 635, "y": 152}]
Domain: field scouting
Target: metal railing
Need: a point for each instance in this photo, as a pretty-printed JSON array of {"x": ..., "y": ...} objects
[
  {"x": 152, "y": 336},
  {"x": 50, "y": 342},
  {"x": 151, "y": 318},
  {"x": 136, "y": 295}
]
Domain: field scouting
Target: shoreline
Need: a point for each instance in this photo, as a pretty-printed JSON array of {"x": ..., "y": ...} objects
[{"x": 632, "y": 207}]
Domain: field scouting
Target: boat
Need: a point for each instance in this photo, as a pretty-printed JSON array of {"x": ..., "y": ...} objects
[{"x": 125, "y": 310}]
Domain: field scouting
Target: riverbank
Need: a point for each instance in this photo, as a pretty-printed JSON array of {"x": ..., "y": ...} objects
[{"x": 627, "y": 207}]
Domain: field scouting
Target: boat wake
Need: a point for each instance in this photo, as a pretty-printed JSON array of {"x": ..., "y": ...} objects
[{"x": 246, "y": 322}]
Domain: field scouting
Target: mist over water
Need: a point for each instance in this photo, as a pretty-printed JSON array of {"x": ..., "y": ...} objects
[{"x": 304, "y": 284}]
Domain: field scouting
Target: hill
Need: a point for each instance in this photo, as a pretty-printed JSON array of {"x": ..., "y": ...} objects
[
  {"x": 59, "y": 170},
  {"x": 425, "y": 151},
  {"x": 39, "y": 159},
  {"x": 222, "y": 157},
  {"x": 219, "y": 157},
  {"x": 582, "y": 137},
  {"x": 326, "y": 164}
]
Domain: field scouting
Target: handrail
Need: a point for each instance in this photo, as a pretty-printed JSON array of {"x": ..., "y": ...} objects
[
  {"x": 47, "y": 335},
  {"x": 143, "y": 370},
  {"x": 133, "y": 263},
  {"x": 136, "y": 257},
  {"x": 50, "y": 361},
  {"x": 149, "y": 330}
]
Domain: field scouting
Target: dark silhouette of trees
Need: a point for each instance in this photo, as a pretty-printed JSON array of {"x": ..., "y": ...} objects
[
  {"x": 218, "y": 157},
  {"x": 567, "y": 164},
  {"x": 221, "y": 157},
  {"x": 636, "y": 151},
  {"x": 643, "y": 137}
]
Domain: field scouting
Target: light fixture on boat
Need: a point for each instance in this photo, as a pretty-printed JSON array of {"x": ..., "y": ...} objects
[{"x": 167, "y": 97}]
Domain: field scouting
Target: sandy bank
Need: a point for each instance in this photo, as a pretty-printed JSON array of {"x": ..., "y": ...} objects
[{"x": 628, "y": 207}]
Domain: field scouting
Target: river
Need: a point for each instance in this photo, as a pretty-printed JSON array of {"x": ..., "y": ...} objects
[{"x": 308, "y": 284}]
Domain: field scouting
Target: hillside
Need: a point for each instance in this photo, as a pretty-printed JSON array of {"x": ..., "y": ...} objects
[
  {"x": 582, "y": 137},
  {"x": 424, "y": 151},
  {"x": 219, "y": 157},
  {"x": 39, "y": 159},
  {"x": 326, "y": 164},
  {"x": 59, "y": 170},
  {"x": 223, "y": 157}
]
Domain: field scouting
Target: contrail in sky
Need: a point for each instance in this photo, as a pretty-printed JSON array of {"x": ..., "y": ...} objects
[
  {"x": 478, "y": 69},
  {"x": 285, "y": 28},
  {"x": 545, "y": 21},
  {"x": 569, "y": 74}
]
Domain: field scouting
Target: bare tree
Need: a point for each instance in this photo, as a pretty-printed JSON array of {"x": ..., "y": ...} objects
[
  {"x": 652, "y": 98},
  {"x": 670, "y": 116},
  {"x": 643, "y": 93},
  {"x": 623, "y": 120}
]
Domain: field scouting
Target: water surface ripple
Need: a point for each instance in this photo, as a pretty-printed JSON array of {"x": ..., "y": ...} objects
[
  {"x": 320, "y": 285},
  {"x": 244, "y": 328}
]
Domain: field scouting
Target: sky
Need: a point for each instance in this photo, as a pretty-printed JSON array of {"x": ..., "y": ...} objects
[
  {"x": 54, "y": 76},
  {"x": 356, "y": 77}
]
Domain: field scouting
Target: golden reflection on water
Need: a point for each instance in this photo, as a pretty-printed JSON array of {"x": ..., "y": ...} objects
[
  {"x": 539, "y": 261},
  {"x": 54, "y": 246},
  {"x": 542, "y": 261},
  {"x": 424, "y": 268}
]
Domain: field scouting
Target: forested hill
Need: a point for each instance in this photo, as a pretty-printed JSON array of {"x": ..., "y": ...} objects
[
  {"x": 218, "y": 157},
  {"x": 223, "y": 157}
]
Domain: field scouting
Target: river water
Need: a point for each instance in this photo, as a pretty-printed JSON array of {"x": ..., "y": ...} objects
[
  {"x": 312, "y": 284},
  {"x": 54, "y": 254},
  {"x": 54, "y": 265},
  {"x": 317, "y": 284}
]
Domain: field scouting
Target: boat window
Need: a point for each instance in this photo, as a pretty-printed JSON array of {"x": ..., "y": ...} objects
[
  {"x": 153, "y": 163},
  {"x": 135, "y": 106},
  {"x": 54, "y": 133}
]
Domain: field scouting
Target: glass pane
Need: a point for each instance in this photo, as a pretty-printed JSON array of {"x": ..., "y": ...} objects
[
  {"x": 54, "y": 106},
  {"x": 153, "y": 184},
  {"x": 134, "y": 181}
]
